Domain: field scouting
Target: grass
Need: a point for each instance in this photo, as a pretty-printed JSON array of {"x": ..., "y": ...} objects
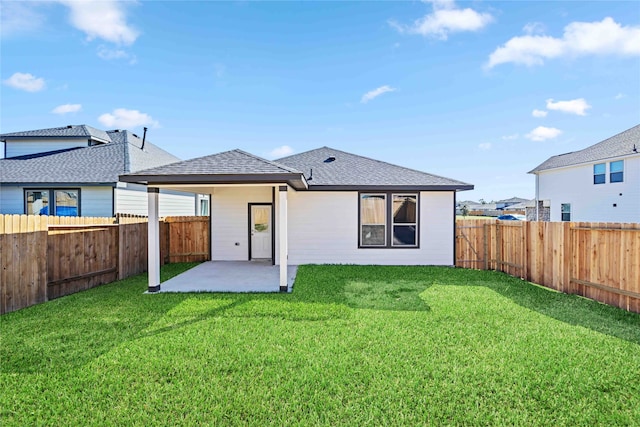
[{"x": 350, "y": 346}]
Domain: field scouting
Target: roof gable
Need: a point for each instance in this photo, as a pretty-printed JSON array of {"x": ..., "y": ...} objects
[
  {"x": 328, "y": 168},
  {"x": 619, "y": 145}
]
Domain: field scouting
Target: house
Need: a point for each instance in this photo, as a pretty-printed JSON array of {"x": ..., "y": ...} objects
[
  {"x": 73, "y": 171},
  {"x": 598, "y": 183},
  {"x": 320, "y": 206},
  {"x": 509, "y": 203}
]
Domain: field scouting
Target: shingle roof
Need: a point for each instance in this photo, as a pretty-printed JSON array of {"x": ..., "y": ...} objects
[
  {"x": 96, "y": 164},
  {"x": 350, "y": 170},
  {"x": 618, "y": 145},
  {"x": 70, "y": 131},
  {"x": 235, "y": 166},
  {"x": 233, "y": 162}
]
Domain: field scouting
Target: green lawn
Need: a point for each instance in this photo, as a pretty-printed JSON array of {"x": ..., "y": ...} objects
[{"x": 350, "y": 346}]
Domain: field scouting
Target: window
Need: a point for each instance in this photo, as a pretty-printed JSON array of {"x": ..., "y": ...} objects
[
  {"x": 599, "y": 173},
  {"x": 37, "y": 202},
  {"x": 616, "y": 171},
  {"x": 405, "y": 221},
  {"x": 389, "y": 220},
  {"x": 59, "y": 202},
  {"x": 373, "y": 219},
  {"x": 565, "y": 211},
  {"x": 204, "y": 207}
]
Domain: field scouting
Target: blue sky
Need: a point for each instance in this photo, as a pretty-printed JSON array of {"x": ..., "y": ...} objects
[{"x": 478, "y": 91}]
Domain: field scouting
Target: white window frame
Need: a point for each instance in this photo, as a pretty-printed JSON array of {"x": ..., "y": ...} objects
[
  {"x": 621, "y": 171},
  {"x": 599, "y": 174}
]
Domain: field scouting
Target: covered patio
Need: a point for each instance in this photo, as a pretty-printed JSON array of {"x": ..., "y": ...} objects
[
  {"x": 248, "y": 222},
  {"x": 231, "y": 276}
]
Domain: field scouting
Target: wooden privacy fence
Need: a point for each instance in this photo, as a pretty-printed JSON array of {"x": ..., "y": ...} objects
[
  {"x": 600, "y": 261},
  {"x": 42, "y": 258}
]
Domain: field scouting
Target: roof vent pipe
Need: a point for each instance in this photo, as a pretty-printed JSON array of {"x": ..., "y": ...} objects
[
  {"x": 144, "y": 136},
  {"x": 330, "y": 159},
  {"x": 310, "y": 175}
]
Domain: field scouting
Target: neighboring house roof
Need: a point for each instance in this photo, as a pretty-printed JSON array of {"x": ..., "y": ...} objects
[
  {"x": 524, "y": 205},
  {"x": 513, "y": 200},
  {"x": 232, "y": 166},
  {"x": 71, "y": 131},
  {"x": 619, "y": 145},
  {"x": 332, "y": 170},
  {"x": 482, "y": 207},
  {"x": 327, "y": 169},
  {"x": 96, "y": 164}
]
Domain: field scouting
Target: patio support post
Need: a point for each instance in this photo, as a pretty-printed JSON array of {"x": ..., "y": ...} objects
[
  {"x": 282, "y": 228},
  {"x": 154, "y": 240}
]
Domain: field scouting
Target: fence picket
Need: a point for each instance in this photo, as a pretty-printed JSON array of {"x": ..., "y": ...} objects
[{"x": 600, "y": 261}]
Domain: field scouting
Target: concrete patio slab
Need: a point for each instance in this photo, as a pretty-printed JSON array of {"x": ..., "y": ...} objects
[{"x": 230, "y": 276}]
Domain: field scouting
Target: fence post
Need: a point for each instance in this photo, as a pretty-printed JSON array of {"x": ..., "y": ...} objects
[{"x": 485, "y": 229}]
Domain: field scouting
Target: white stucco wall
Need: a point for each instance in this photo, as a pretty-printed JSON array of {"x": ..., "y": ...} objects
[
  {"x": 323, "y": 228},
  {"x": 590, "y": 202},
  {"x": 230, "y": 220},
  {"x": 24, "y": 147}
]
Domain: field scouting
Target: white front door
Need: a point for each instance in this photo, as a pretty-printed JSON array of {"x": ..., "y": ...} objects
[{"x": 260, "y": 231}]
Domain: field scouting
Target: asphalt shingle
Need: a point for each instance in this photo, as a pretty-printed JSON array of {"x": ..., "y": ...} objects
[
  {"x": 70, "y": 131},
  {"x": 618, "y": 145},
  {"x": 101, "y": 163},
  {"x": 233, "y": 162},
  {"x": 330, "y": 167}
]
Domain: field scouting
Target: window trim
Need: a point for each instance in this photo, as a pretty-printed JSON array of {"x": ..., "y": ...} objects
[
  {"x": 562, "y": 213},
  {"x": 389, "y": 219},
  {"x": 386, "y": 220},
  {"x": 603, "y": 175},
  {"x": 611, "y": 181},
  {"x": 52, "y": 196},
  {"x": 393, "y": 223}
]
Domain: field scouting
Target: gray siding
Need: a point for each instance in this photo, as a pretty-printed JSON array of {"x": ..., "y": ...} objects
[{"x": 33, "y": 146}]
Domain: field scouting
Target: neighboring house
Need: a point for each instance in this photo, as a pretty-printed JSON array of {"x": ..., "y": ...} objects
[
  {"x": 598, "y": 183},
  {"x": 508, "y": 203},
  {"x": 73, "y": 171},
  {"x": 321, "y": 206}
]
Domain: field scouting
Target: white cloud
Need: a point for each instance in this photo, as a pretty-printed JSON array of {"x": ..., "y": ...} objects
[
  {"x": 18, "y": 17},
  {"x": 109, "y": 54},
  {"x": 445, "y": 19},
  {"x": 67, "y": 108},
  {"x": 372, "y": 94},
  {"x": 542, "y": 133},
  {"x": 485, "y": 146},
  {"x": 575, "y": 106},
  {"x": 620, "y": 96},
  {"x": 511, "y": 137},
  {"x": 539, "y": 113},
  {"x": 533, "y": 28},
  {"x": 123, "y": 118},
  {"x": 25, "y": 81},
  {"x": 281, "y": 151},
  {"x": 606, "y": 37},
  {"x": 103, "y": 19}
]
